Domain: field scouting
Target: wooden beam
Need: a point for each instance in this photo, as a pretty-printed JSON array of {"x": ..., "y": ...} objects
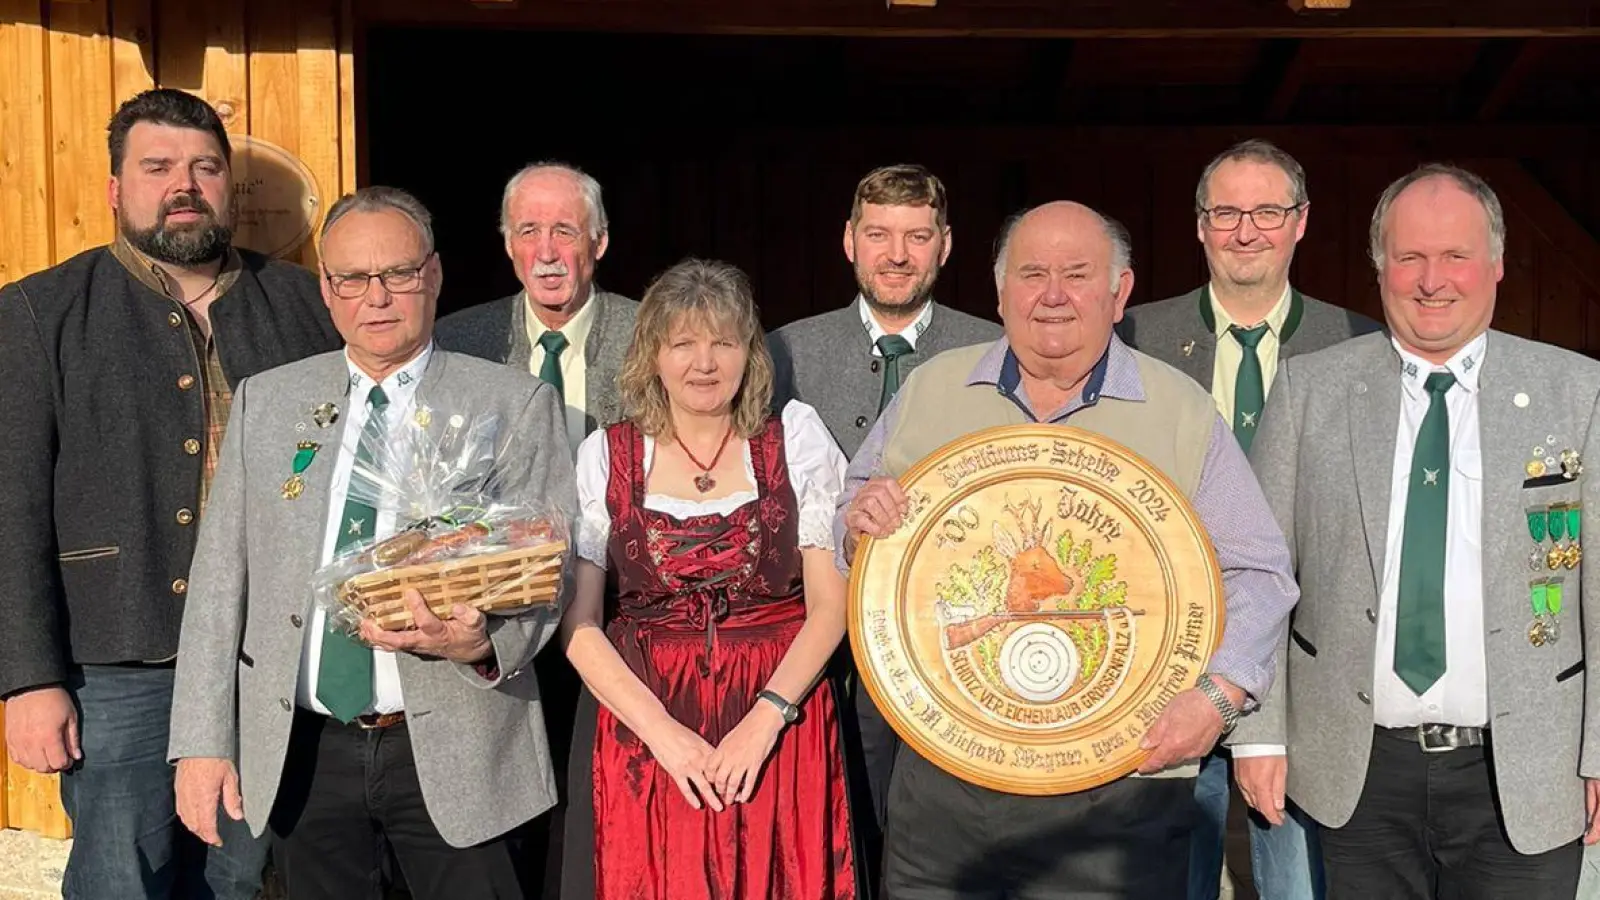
[
  {"x": 1408, "y": 144},
  {"x": 1033, "y": 19},
  {"x": 1279, "y": 73},
  {"x": 1049, "y": 81},
  {"x": 349, "y": 176},
  {"x": 1500, "y": 69},
  {"x": 133, "y": 64},
  {"x": 1516, "y": 187},
  {"x": 893, "y": 3},
  {"x": 1527, "y": 57},
  {"x": 81, "y": 102},
  {"x": 1301, "y": 6},
  {"x": 25, "y": 210}
]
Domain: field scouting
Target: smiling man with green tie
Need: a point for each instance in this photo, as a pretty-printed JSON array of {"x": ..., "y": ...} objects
[
  {"x": 849, "y": 363},
  {"x": 1433, "y": 715},
  {"x": 561, "y": 326},
  {"x": 1251, "y": 210}
]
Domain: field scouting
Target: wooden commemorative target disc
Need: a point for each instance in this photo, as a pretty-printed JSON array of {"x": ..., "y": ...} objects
[{"x": 1047, "y": 594}]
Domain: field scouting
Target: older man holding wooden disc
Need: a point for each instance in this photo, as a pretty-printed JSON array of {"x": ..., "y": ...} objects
[{"x": 1075, "y": 566}]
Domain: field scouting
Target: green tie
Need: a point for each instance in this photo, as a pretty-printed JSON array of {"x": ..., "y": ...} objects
[
  {"x": 1249, "y": 390},
  {"x": 553, "y": 343},
  {"x": 1419, "y": 622},
  {"x": 892, "y": 346},
  {"x": 344, "y": 674}
]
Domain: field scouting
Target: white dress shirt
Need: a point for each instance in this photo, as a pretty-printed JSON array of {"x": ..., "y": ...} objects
[
  {"x": 875, "y": 329},
  {"x": 816, "y": 473},
  {"x": 401, "y": 389},
  {"x": 574, "y": 363},
  {"x": 1461, "y": 696},
  {"x": 1230, "y": 353}
]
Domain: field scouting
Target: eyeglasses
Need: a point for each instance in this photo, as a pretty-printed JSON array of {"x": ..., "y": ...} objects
[
  {"x": 351, "y": 285},
  {"x": 1265, "y": 218}
]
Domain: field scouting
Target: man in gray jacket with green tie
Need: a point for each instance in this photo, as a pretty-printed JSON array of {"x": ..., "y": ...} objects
[
  {"x": 1251, "y": 210},
  {"x": 849, "y": 362}
]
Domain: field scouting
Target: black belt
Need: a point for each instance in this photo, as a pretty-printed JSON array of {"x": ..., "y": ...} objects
[{"x": 1435, "y": 738}]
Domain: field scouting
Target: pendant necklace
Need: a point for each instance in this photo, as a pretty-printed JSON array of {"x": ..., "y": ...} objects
[{"x": 704, "y": 482}]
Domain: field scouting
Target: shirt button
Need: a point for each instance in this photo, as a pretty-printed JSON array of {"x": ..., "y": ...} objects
[
  {"x": 180, "y": 586},
  {"x": 861, "y": 421},
  {"x": 296, "y": 621},
  {"x": 283, "y": 702},
  {"x": 1363, "y": 697},
  {"x": 185, "y": 516},
  {"x": 175, "y": 320},
  {"x": 875, "y": 365},
  {"x": 191, "y": 447},
  {"x": 185, "y": 382},
  {"x": 1372, "y": 616}
]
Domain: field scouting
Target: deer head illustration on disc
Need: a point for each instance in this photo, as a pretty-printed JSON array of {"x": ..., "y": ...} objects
[{"x": 1037, "y": 581}]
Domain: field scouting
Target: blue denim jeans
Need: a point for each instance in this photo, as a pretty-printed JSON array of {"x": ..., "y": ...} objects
[
  {"x": 127, "y": 840},
  {"x": 1285, "y": 860}
]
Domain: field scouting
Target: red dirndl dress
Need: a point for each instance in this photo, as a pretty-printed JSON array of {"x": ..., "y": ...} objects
[{"x": 706, "y": 608}]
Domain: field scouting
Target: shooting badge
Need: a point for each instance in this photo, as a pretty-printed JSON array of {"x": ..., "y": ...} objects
[{"x": 295, "y": 484}]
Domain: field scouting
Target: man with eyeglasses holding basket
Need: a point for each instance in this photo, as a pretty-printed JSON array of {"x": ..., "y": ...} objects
[{"x": 1251, "y": 210}]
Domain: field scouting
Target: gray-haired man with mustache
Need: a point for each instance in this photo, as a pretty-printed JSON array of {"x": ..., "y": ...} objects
[
  {"x": 570, "y": 333},
  {"x": 560, "y": 326}
]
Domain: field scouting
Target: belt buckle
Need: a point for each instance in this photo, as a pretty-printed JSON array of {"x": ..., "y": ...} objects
[
  {"x": 379, "y": 721},
  {"x": 1441, "y": 743}
]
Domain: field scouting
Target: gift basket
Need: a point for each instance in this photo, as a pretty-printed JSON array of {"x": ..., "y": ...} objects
[{"x": 456, "y": 519}]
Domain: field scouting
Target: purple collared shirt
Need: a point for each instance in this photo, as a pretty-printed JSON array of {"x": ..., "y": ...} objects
[{"x": 1259, "y": 589}]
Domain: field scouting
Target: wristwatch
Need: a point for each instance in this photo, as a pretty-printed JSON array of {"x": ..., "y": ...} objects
[
  {"x": 791, "y": 713},
  {"x": 1230, "y": 713}
]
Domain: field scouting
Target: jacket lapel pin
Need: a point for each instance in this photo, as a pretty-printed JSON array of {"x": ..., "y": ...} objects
[{"x": 1571, "y": 464}]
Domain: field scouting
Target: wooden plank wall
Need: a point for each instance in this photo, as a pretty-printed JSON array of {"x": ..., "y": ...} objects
[{"x": 280, "y": 71}]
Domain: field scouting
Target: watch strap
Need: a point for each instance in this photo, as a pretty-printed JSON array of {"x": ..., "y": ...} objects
[{"x": 789, "y": 710}]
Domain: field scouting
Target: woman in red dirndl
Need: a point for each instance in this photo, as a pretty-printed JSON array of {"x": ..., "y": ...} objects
[{"x": 717, "y": 769}]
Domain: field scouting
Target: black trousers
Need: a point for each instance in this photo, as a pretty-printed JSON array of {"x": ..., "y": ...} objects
[
  {"x": 349, "y": 797},
  {"x": 950, "y": 840},
  {"x": 1428, "y": 826}
]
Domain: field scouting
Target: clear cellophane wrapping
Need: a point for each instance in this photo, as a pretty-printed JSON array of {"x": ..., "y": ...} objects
[{"x": 464, "y": 526}]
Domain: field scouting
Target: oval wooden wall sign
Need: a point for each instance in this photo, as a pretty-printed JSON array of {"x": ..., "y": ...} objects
[
  {"x": 1046, "y": 596},
  {"x": 276, "y": 202}
]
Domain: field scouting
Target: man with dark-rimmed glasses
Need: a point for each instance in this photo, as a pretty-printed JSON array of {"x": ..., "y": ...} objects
[
  {"x": 1251, "y": 209},
  {"x": 431, "y": 741}
]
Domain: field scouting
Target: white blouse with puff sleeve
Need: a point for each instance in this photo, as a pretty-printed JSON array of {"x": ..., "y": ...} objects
[{"x": 816, "y": 471}]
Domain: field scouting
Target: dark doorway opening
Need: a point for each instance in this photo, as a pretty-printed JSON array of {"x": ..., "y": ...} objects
[{"x": 746, "y": 148}]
